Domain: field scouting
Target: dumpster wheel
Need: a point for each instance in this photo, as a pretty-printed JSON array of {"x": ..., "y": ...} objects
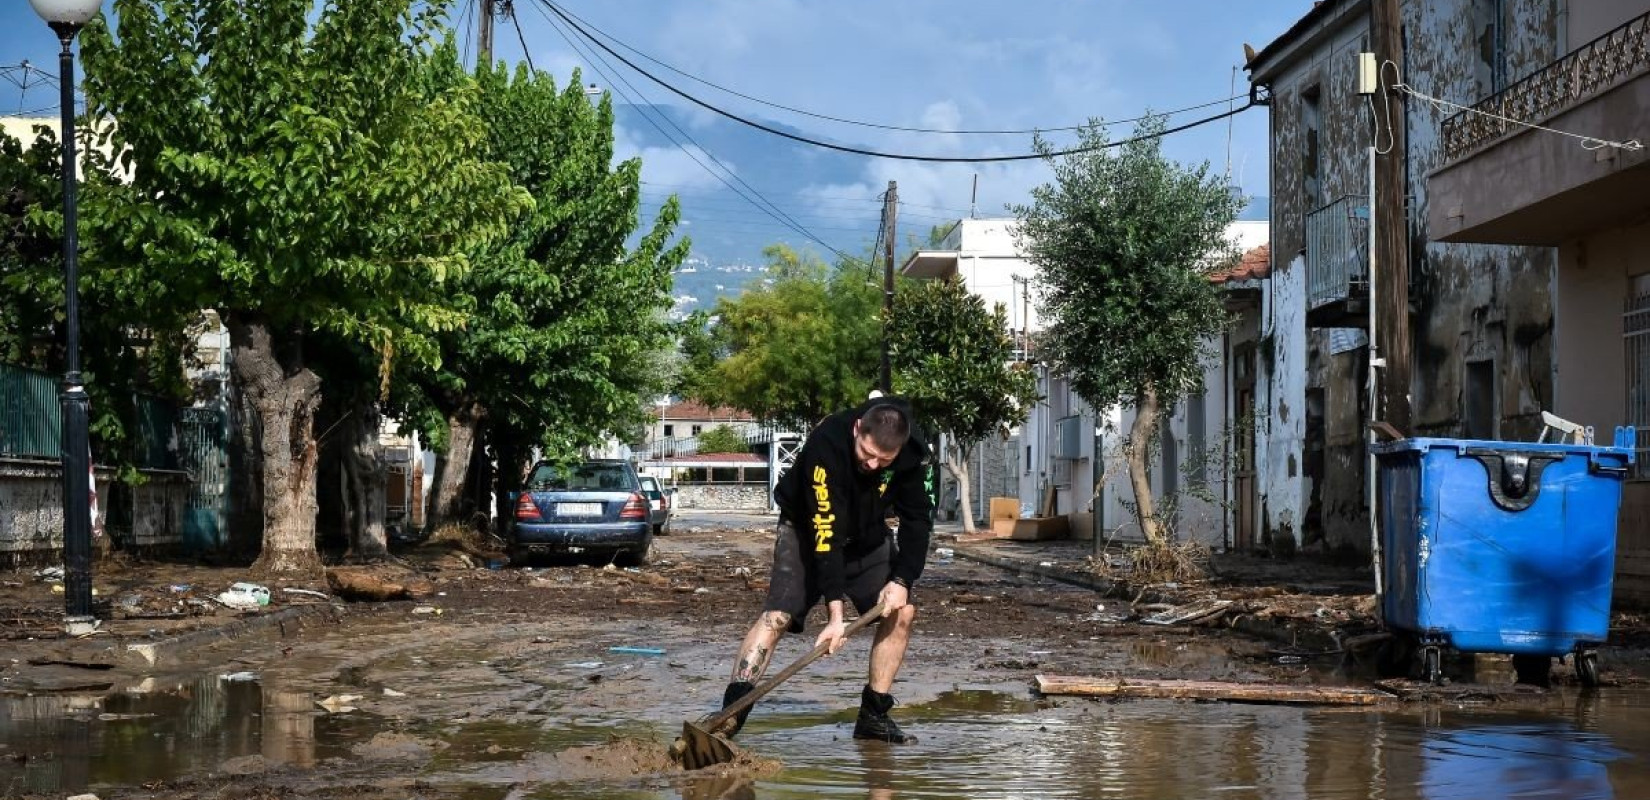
[
  {"x": 1432, "y": 664},
  {"x": 1587, "y": 667}
]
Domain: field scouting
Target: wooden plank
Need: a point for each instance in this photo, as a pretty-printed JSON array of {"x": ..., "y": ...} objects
[
  {"x": 1145, "y": 688},
  {"x": 1188, "y": 613}
]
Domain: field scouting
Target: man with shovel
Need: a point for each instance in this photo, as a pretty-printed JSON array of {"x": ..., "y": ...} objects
[{"x": 857, "y": 470}]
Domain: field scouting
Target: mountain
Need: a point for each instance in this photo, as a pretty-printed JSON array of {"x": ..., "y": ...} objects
[{"x": 828, "y": 193}]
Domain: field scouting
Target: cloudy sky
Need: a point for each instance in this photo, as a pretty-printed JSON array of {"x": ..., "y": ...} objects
[{"x": 941, "y": 64}]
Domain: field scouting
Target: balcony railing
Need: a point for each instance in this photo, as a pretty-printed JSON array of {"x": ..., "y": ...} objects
[
  {"x": 675, "y": 447},
  {"x": 1337, "y": 251},
  {"x": 1587, "y": 71}
]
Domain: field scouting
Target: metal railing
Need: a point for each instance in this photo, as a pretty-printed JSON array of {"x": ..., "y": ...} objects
[
  {"x": 1337, "y": 250},
  {"x": 1585, "y": 72},
  {"x": 689, "y": 445},
  {"x": 1635, "y": 326},
  {"x": 30, "y": 420}
]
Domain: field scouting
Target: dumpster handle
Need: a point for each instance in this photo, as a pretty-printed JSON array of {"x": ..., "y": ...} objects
[{"x": 1596, "y": 467}]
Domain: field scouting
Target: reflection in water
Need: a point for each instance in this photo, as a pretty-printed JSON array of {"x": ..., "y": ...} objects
[
  {"x": 1517, "y": 761},
  {"x": 1154, "y": 749},
  {"x": 73, "y": 743},
  {"x": 975, "y": 744}
]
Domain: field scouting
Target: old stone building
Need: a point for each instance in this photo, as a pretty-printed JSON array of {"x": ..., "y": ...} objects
[{"x": 1481, "y": 315}]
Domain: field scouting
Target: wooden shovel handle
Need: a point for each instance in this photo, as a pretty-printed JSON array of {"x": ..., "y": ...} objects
[{"x": 808, "y": 658}]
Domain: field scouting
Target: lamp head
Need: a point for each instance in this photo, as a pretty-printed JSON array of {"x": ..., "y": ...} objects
[{"x": 74, "y": 13}]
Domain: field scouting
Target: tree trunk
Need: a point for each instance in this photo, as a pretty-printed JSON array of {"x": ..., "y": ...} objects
[
  {"x": 512, "y": 466},
  {"x": 452, "y": 468},
  {"x": 283, "y": 395},
  {"x": 244, "y": 505},
  {"x": 1140, "y": 437},
  {"x": 364, "y": 464},
  {"x": 956, "y": 462}
]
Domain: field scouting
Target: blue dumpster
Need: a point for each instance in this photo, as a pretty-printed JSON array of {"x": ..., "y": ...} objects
[{"x": 1500, "y": 547}]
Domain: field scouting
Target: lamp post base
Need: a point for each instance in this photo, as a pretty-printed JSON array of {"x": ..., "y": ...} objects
[{"x": 80, "y": 626}]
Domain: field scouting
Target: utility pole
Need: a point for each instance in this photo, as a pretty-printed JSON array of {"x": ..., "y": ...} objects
[
  {"x": 484, "y": 33},
  {"x": 890, "y": 211},
  {"x": 1391, "y": 226}
]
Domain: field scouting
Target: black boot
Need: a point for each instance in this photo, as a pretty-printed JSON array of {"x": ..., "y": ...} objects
[
  {"x": 874, "y": 722},
  {"x": 736, "y": 690}
]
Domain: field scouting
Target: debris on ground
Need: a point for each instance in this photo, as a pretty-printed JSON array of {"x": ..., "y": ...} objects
[
  {"x": 377, "y": 583},
  {"x": 1190, "y": 612},
  {"x": 339, "y": 703}
]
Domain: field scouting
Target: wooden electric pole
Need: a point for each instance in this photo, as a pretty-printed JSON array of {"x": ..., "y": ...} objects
[
  {"x": 1391, "y": 223},
  {"x": 890, "y": 210},
  {"x": 484, "y": 33}
]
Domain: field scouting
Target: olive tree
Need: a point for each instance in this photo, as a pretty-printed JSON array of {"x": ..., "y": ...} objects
[{"x": 1123, "y": 240}]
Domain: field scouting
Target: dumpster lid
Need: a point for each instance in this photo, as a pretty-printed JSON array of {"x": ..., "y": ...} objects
[{"x": 1623, "y": 447}]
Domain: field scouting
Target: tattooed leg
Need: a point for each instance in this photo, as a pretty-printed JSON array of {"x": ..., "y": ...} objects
[{"x": 758, "y": 646}]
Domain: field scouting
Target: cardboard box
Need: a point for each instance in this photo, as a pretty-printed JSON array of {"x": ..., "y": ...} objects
[
  {"x": 1037, "y": 529},
  {"x": 1003, "y": 528},
  {"x": 1004, "y": 508}
]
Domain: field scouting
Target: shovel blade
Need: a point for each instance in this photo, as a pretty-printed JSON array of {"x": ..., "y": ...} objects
[{"x": 700, "y": 748}]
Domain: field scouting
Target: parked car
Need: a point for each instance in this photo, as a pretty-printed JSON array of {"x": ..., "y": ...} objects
[
  {"x": 659, "y": 499},
  {"x": 594, "y": 509}
]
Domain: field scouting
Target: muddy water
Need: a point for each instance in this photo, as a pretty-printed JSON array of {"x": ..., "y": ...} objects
[{"x": 975, "y": 744}]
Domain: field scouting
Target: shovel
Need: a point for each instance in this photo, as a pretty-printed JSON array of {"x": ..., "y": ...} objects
[{"x": 699, "y": 747}]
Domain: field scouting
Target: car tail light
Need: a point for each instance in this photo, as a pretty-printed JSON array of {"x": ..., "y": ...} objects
[
  {"x": 635, "y": 508},
  {"x": 664, "y": 502},
  {"x": 527, "y": 510}
]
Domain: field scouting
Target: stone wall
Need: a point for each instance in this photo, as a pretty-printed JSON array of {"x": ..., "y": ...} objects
[
  {"x": 31, "y": 511},
  {"x": 723, "y": 497}
]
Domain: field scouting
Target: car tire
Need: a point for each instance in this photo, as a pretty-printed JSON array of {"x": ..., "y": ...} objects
[
  {"x": 631, "y": 558},
  {"x": 661, "y": 530}
]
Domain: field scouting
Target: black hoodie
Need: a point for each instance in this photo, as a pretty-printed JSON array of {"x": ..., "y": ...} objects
[{"x": 839, "y": 511}]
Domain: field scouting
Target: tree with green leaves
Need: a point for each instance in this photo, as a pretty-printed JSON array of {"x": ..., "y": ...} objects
[
  {"x": 123, "y": 349},
  {"x": 1123, "y": 240},
  {"x": 567, "y": 339},
  {"x": 288, "y": 166},
  {"x": 722, "y": 439},
  {"x": 953, "y": 360},
  {"x": 805, "y": 344}
]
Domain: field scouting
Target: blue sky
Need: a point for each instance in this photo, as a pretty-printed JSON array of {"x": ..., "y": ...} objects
[{"x": 919, "y": 63}]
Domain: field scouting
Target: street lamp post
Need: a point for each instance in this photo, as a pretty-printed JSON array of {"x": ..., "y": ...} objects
[{"x": 66, "y": 17}]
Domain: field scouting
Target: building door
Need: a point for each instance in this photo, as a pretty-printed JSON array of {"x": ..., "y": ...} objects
[{"x": 1243, "y": 441}]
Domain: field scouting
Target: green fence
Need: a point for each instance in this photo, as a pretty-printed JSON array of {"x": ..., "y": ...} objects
[
  {"x": 30, "y": 420},
  {"x": 154, "y": 421}
]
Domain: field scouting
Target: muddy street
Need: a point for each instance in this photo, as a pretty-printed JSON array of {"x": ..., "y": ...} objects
[{"x": 567, "y": 680}]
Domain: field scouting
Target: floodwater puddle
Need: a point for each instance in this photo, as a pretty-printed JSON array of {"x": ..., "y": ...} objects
[{"x": 974, "y": 743}]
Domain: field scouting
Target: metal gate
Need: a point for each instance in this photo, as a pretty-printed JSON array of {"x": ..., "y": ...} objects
[{"x": 203, "y": 452}]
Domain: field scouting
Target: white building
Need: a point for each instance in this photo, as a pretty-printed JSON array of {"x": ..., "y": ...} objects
[{"x": 984, "y": 254}]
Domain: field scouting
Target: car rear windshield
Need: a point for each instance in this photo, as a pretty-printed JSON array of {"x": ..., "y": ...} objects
[{"x": 584, "y": 477}]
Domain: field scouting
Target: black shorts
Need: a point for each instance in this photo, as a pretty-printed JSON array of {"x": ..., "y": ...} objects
[{"x": 794, "y": 585}]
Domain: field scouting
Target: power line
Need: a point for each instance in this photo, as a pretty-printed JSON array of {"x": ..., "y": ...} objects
[
  {"x": 526, "y": 53},
  {"x": 877, "y": 153},
  {"x": 689, "y": 188},
  {"x": 466, "y": 31},
  {"x": 861, "y": 123},
  {"x": 775, "y": 212}
]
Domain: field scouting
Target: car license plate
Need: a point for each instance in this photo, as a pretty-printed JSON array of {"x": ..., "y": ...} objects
[{"x": 579, "y": 509}]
